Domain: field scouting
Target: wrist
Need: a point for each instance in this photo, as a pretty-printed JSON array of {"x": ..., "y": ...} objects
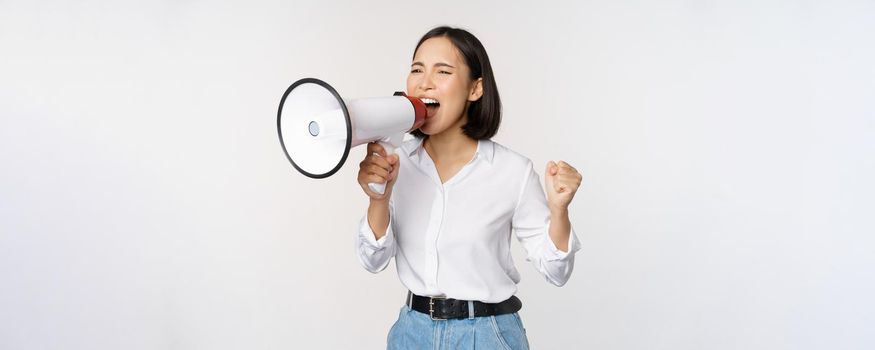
[
  {"x": 560, "y": 210},
  {"x": 382, "y": 202}
]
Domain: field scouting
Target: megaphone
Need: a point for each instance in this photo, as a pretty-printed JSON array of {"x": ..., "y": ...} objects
[{"x": 317, "y": 127}]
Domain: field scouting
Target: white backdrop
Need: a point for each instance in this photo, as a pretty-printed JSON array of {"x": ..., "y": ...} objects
[{"x": 727, "y": 151}]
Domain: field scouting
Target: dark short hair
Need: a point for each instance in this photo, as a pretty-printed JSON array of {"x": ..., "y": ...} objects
[{"x": 484, "y": 115}]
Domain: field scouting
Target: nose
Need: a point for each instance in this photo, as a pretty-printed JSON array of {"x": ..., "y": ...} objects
[{"x": 426, "y": 83}]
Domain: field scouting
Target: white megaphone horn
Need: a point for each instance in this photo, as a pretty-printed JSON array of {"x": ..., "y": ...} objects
[{"x": 317, "y": 128}]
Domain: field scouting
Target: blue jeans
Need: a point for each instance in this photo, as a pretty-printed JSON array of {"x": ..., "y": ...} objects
[{"x": 416, "y": 330}]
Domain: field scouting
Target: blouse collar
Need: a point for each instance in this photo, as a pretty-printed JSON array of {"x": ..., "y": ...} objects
[{"x": 485, "y": 149}]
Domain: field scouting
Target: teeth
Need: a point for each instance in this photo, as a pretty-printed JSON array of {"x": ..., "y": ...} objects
[{"x": 429, "y": 101}]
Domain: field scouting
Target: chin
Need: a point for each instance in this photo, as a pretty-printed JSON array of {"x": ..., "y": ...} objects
[{"x": 428, "y": 128}]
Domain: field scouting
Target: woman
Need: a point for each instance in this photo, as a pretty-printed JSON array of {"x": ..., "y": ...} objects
[{"x": 452, "y": 200}]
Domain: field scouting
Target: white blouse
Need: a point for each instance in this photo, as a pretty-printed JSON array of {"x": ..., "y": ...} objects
[{"x": 453, "y": 239}]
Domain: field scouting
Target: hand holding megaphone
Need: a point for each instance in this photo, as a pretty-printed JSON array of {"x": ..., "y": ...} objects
[{"x": 378, "y": 171}]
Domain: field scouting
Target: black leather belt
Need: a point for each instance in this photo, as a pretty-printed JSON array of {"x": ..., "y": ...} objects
[{"x": 446, "y": 309}]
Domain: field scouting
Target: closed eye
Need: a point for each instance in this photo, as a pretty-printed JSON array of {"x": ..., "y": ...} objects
[
  {"x": 416, "y": 70},
  {"x": 444, "y": 72}
]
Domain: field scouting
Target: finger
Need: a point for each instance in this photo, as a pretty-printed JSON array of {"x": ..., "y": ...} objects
[
  {"x": 564, "y": 165},
  {"x": 567, "y": 171},
  {"x": 377, "y": 170},
  {"x": 394, "y": 173},
  {"x": 379, "y": 161},
  {"x": 374, "y": 178},
  {"x": 567, "y": 177},
  {"x": 551, "y": 168},
  {"x": 374, "y": 147},
  {"x": 570, "y": 186},
  {"x": 392, "y": 159},
  {"x": 558, "y": 184},
  {"x": 573, "y": 185}
]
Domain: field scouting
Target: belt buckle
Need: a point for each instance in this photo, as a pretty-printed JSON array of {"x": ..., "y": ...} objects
[{"x": 431, "y": 308}]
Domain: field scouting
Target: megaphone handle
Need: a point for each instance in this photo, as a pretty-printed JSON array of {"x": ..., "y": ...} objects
[{"x": 378, "y": 187}]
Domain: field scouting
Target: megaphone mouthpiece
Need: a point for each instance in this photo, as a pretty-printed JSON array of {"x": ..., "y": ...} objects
[{"x": 420, "y": 111}]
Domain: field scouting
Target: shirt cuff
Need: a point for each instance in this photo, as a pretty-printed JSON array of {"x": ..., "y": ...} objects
[
  {"x": 368, "y": 238},
  {"x": 554, "y": 254}
]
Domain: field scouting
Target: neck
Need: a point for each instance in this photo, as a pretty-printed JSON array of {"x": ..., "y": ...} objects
[{"x": 450, "y": 145}]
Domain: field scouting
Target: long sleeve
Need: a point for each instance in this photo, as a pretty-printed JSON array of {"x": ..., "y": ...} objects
[
  {"x": 373, "y": 254},
  {"x": 531, "y": 225}
]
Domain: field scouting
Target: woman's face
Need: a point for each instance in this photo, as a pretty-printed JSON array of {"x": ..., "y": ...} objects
[{"x": 439, "y": 72}]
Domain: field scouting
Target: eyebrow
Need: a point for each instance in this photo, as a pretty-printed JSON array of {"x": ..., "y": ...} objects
[{"x": 439, "y": 64}]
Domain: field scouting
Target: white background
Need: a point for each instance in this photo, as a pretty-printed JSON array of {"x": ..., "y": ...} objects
[{"x": 727, "y": 152}]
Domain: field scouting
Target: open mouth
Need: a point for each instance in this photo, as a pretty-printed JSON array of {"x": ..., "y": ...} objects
[{"x": 431, "y": 105}]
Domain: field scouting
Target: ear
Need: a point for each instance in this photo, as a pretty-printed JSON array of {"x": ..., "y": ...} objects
[{"x": 476, "y": 91}]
